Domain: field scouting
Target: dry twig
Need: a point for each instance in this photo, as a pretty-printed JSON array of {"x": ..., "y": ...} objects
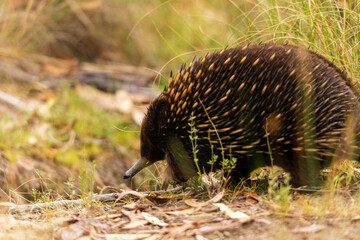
[{"x": 96, "y": 197}]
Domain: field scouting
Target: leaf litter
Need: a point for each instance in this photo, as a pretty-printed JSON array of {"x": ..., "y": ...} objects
[{"x": 137, "y": 217}]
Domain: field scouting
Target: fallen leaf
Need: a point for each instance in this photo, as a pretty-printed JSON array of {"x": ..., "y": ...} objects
[
  {"x": 153, "y": 220},
  {"x": 194, "y": 203},
  {"x": 99, "y": 227},
  {"x": 74, "y": 231},
  {"x": 264, "y": 221},
  {"x": 134, "y": 193},
  {"x": 251, "y": 197},
  {"x": 309, "y": 229},
  {"x": 127, "y": 236},
  {"x": 135, "y": 220},
  {"x": 242, "y": 217},
  {"x": 217, "y": 197},
  {"x": 210, "y": 229},
  {"x": 209, "y": 208},
  {"x": 181, "y": 212},
  {"x": 130, "y": 206},
  {"x": 180, "y": 230},
  {"x": 84, "y": 238},
  {"x": 251, "y": 201},
  {"x": 200, "y": 237}
]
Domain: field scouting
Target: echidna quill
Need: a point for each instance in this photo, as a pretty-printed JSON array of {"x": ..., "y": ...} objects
[{"x": 248, "y": 101}]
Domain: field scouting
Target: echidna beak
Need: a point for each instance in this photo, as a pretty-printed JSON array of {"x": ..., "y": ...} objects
[{"x": 137, "y": 167}]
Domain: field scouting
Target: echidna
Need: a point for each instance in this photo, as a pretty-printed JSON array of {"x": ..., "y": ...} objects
[{"x": 247, "y": 101}]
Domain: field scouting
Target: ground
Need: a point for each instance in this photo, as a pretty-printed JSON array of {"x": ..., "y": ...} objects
[{"x": 180, "y": 215}]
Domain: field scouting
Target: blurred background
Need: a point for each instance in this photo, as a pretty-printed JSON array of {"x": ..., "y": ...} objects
[{"x": 76, "y": 76}]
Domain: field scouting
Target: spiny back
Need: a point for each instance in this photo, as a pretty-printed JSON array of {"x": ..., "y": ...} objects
[{"x": 253, "y": 82}]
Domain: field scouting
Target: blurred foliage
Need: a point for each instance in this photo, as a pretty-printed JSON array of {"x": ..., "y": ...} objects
[
  {"x": 67, "y": 128},
  {"x": 153, "y": 32}
]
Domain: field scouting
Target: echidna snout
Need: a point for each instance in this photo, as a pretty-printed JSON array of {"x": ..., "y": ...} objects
[
  {"x": 245, "y": 100},
  {"x": 152, "y": 147}
]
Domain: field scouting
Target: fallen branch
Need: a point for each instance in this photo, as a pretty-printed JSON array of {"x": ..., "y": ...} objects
[
  {"x": 110, "y": 78},
  {"x": 96, "y": 197}
]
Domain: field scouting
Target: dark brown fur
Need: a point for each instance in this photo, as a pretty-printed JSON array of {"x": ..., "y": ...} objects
[{"x": 300, "y": 99}]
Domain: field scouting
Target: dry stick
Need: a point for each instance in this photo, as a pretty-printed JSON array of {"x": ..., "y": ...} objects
[
  {"x": 14, "y": 102},
  {"x": 110, "y": 78},
  {"x": 96, "y": 197}
]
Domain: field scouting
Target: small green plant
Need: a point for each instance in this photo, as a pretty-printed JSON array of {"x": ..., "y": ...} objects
[
  {"x": 341, "y": 176},
  {"x": 239, "y": 188},
  {"x": 193, "y": 138},
  {"x": 87, "y": 181},
  {"x": 214, "y": 157},
  {"x": 84, "y": 182},
  {"x": 228, "y": 165},
  {"x": 34, "y": 194},
  {"x": 212, "y": 181},
  {"x": 40, "y": 197},
  {"x": 198, "y": 186},
  {"x": 71, "y": 189},
  {"x": 92, "y": 177},
  {"x": 279, "y": 190},
  {"x": 154, "y": 183}
]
